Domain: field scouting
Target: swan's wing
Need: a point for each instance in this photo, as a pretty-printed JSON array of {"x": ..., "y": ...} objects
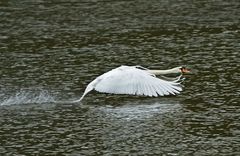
[{"x": 130, "y": 80}]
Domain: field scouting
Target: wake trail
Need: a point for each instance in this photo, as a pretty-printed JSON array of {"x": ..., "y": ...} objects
[{"x": 32, "y": 97}]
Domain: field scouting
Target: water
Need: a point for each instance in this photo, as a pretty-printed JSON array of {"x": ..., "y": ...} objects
[{"x": 51, "y": 50}]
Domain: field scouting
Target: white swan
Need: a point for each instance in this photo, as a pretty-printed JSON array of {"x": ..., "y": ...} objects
[{"x": 136, "y": 80}]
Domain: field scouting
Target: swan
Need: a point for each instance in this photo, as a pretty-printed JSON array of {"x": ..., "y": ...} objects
[{"x": 137, "y": 80}]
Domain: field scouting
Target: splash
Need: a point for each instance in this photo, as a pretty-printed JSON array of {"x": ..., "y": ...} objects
[{"x": 27, "y": 97}]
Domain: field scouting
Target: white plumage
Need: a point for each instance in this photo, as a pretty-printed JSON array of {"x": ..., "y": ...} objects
[{"x": 135, "y": 81}]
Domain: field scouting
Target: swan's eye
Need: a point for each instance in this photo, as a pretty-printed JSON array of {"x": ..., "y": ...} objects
[{"x": 181, "y": 69}]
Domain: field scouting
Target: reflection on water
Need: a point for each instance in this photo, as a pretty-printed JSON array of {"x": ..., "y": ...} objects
[
  {"x": 50, "y": 51},
  {"x": 139, "y": 111}
]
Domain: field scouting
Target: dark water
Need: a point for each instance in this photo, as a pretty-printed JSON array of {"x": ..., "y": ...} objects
[{"x": 50, "y": 50}]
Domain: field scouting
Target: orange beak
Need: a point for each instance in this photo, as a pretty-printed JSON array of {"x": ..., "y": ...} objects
[{"x": 185, "y": 70}]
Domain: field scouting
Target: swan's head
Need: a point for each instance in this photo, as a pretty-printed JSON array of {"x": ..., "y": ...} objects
[{"x": 183, "y": 70}]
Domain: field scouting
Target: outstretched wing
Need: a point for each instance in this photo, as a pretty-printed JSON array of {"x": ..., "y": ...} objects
[{"x": 130, "y": 80}]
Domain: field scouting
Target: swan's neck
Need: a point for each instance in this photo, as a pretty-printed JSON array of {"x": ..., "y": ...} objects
[{"x": 164, "y": 72}]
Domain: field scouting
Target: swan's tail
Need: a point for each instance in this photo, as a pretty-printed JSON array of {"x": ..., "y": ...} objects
[
  {"x": 79, "y": 100},
  {"x": 87, "y": 90}
]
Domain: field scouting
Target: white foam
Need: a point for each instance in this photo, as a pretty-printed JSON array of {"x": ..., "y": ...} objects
[{"x": 27, "y": 97}]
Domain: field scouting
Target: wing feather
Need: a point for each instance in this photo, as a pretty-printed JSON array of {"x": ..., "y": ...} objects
[
  {"x": 148, "y": 89},
  {"x": 160, "y": 90},
  {"x": 130, "y": 80},
  {"x": 167, "y": 89}
]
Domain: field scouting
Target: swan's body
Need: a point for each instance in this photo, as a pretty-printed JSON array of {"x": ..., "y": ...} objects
[{"x": 136, "y": 80}]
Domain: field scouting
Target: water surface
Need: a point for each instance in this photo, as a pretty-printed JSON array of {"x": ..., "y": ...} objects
[{"x": 51, "y": 50}]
